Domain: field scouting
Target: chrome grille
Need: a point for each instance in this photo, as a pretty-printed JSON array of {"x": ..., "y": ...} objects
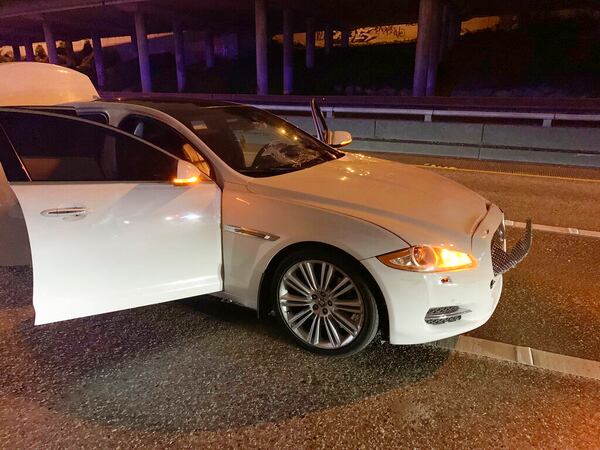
[{"x": 503, "y": 261}]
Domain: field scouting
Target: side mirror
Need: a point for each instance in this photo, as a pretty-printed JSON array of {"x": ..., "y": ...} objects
[
  {"x": 339, "y": 138},
  {"x": 187, "y": 174}
]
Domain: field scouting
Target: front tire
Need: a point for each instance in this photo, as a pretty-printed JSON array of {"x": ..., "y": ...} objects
[{"x": 323, "y": 301}]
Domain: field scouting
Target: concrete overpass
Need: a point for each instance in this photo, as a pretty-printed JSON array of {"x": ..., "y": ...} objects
[{"x": 23, "y": 22}]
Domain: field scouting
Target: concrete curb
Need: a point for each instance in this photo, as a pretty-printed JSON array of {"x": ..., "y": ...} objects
[{"x": 522, "y": 355}]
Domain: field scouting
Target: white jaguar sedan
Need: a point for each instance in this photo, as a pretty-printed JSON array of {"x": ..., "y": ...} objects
[{"x": 137, "y": 202}]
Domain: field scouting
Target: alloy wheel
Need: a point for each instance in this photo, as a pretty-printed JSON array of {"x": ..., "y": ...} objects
[{"x": 321, "y": 304}]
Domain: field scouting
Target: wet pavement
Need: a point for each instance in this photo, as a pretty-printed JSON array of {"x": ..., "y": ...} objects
[{"x": 203, "y": 373}]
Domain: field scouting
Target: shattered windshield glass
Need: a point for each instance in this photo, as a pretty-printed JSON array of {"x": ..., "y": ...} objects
[{"x": 257, "y": 143}]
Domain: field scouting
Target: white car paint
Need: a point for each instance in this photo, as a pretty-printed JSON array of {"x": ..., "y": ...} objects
[
  {"x": 136, "y": 244},
  {"x": 361, "y": 205},
  {"x": 419, "y": 206},
  {"x": 246, "y": 259},
  {"x": 409, "y": 295},
  {"x": 41, "y": 84},
  {"x": 367, "y": 210}
]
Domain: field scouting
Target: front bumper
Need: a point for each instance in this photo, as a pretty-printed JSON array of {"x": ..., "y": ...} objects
[{"x": 457, "y": 302}]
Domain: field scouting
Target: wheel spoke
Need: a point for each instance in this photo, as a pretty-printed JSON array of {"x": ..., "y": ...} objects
[
  {"x": 313, "y": 334},
  {"x": 293, "y": 300},
  {"x": 345, "y": 323},
  {"x": 343, "y": 286},
  {"x": 353, "y": 306},
  {"x": 332, "y": 333},
  {"x": 309, "y": 274},
  {"x": 326, "y": 274},
  {"x": 298, "y": 319},
  {"x": 297, "y": 284}
]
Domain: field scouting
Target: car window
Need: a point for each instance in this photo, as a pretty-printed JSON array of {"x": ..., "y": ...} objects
[
  {"x": 64, "y": 149},
  {"x": 164, "y": 137},
  {"x": 9, "y": 160},
  {"x": 254, "y": 142}
]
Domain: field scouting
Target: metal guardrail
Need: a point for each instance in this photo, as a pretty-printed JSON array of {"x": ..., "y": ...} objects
[
  {"x": 429, "y": 114},
  {"x": 479, "y": 129},
  {"x": 544, "y": 110}
]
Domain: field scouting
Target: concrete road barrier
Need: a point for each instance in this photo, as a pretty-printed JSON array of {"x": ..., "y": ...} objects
[{"x": 526, "y": 143}]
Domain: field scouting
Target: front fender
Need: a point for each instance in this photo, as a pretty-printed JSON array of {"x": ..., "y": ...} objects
[{"x": 245, "y": 257}]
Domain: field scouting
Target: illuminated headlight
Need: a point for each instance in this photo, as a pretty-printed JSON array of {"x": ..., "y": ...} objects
[{"x": 423, "y": 258}]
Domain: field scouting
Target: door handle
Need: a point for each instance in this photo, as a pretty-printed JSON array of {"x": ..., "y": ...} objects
[{"x": 69, "y": 212}]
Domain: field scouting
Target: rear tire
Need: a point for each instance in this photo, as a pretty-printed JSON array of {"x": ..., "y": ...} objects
[{"x": 323, "y": 301}]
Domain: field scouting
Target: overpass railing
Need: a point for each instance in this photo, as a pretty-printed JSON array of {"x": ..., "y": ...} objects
[
  {"x": 557, "y": 131},
  {"x": 546, "y": 111}
]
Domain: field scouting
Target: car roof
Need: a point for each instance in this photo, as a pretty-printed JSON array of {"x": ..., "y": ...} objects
[{"x": 174, "y": 105}]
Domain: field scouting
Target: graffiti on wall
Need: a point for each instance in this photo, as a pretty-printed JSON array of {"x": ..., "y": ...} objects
[{"x": 391, "y": 34}]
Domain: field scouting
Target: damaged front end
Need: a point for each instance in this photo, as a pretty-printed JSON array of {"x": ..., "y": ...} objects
[{"x": 503, "y": 261}]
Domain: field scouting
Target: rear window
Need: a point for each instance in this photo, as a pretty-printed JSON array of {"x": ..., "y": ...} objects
[{"x": 61, "y": 149}]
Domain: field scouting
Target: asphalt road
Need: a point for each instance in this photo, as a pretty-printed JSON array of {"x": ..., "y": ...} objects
[{"x": 202, "y": 373}]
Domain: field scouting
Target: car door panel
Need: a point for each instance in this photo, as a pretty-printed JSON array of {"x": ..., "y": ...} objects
[
  {"x": 137, "y": 244},
  {"x": 102, "y": 246}
]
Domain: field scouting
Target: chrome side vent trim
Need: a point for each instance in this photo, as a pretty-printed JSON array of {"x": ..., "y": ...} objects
[{"x": 250, "y": 232}]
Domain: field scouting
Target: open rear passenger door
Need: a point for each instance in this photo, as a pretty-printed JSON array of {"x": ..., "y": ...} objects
[{"x": 113, "y": 222}]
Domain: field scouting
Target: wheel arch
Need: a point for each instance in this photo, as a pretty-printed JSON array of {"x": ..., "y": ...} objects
[{"x": 264, "y": 308}]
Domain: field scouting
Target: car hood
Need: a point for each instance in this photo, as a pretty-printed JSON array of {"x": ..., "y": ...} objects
[{"x": 417, "y": 205}]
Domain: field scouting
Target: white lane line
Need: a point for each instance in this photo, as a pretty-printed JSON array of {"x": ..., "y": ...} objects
[
  {"x": 522, "y": 355},
  {"x": 515, "y": 174},
  {"x": 553, "y": 229}
]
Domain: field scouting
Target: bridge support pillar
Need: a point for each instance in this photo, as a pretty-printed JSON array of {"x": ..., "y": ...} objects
[
  {"x": 345, "y": 38},
  {"x": 70, "y": 54},
  {"x": 179, "y": 49},
  {"x": 328, "y": 38},
  {"x": 50, "y": 43},
  {"x": 445, "y": 32},
  {"x": 16, "y": 52},
  {"x": 427, "y": 39},
  {"x": 98, "y": 60},
  {"x": 434, "y": 52},
  {"x": 142, "y": 50},
  {"x": 454, "y": 27},
  {"x": 134, "y": 47},
  {"x": 288, "y": 51},
  {"x": 209, "y": 49},
  {"x": 310, "y": 43},
  {"x": 29, "y": 53},
  {"x": 262, "y": 68}
]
